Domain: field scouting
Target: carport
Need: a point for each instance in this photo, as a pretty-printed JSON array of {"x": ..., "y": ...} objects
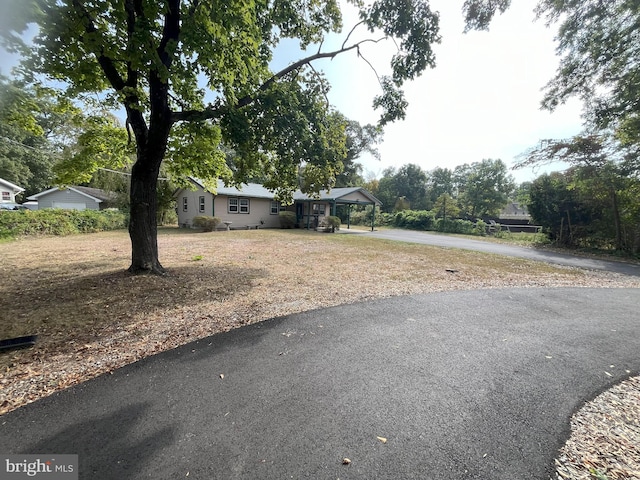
[{"x": 308, "y": 208}]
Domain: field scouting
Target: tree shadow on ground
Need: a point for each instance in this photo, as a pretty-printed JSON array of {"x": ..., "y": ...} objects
[
  {"x": 68, "y": 312},
  {"x": 115, "y": 445}
]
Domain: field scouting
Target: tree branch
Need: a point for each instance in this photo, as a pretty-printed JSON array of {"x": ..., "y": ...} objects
[
  {"x": 215, "y": 111},
  {"x": 170, "y": 31},
  {"x": 133, "y": 8},
  {"x": 319, "y": 77},
  {"x": 370, "y": 66},
  {"x": 350, "y": 32},
  {"x": 106, "y": 63}
]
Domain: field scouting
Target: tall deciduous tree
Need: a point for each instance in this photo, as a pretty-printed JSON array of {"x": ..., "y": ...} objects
[
  {"x": 150, "y": 57},
  {"x": 556, "y": 206},
  {"x": 359, "y": 140},
  {"x": 602, "y": 170},
  {"x": 600, "y": 58},
  {"x": 411, "y": 183},
  {"x": 439, "y": 182},
  {"x": 408, "y": 183},
  {"x": 35, "y": 128},
  {"x": 445, "y": 207},
  {"x": 483, "y": 187}
]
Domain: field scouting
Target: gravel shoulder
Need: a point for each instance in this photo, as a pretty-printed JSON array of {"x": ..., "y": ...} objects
[{"x": 92, "y": 317}]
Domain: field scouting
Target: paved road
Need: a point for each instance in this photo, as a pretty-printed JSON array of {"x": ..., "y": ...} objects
[
  {"x": 509, "y": 250},
  {"x": 463, "y": 385}
]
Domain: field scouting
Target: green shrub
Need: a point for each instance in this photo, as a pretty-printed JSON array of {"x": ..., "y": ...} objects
[
  {"x": 455, "y": 225},
  {"x": 287, "y": 219},
  {"x": 415, "y": 220},
  {"x": 363, "y": 217},
  {"x": 480, "y": 228},
  {"x": 360, "y": 218},
  {"x": 206, "y": 222},
  {"x": 59, "y": 222},
  {"x": 334, "y": 222}
]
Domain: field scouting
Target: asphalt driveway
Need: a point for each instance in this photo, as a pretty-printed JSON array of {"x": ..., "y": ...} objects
[
  {"x": 457, "y": 385},
  {"x": 508, "y": 250}
]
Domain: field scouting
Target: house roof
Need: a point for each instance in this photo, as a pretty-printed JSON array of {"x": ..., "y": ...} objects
[
  {"x": 12, "y": 186},
  {"x": 95, "y": 194},
  {"x": 256, "y": 190},
  {"x": 514, "y": 210},
  {"x": 337, "y": 195}
]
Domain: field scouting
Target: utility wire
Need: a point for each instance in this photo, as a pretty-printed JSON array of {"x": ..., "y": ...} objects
[{"x": 59, "y": 156}]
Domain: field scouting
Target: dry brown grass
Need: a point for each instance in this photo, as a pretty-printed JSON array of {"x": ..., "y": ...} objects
[{"x": 91, "y": 316}]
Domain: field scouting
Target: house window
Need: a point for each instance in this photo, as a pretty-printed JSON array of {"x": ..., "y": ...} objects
[
  {"x": 238, "y": 205},
  {"x": 201, "y": 204},
  {"x": 318, "y": 208},
  {"x": 6, "y": 196},
  {"x": 185, "y": 204},
  {"x": 275, "y": 208}
]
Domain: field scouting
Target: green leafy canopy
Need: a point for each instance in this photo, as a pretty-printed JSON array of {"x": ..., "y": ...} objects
[{"x": 165, "y": 61}]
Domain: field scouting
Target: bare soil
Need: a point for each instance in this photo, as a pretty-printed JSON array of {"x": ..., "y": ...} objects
[{"x": 92, "y": 317}]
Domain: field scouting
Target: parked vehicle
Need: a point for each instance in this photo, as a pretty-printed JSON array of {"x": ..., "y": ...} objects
[{"x": 11, "y": 206}]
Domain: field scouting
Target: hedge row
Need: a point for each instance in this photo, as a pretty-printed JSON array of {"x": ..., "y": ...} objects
[
  {"x": 59, "y": 222},
  {"x": 419, "y": 220}
]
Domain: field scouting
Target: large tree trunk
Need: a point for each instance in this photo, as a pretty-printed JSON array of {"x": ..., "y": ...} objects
[
  {"x": 151, "y": 146},
  {"x": 616, "y": 219},
  {"x": 143, "y": 229}
]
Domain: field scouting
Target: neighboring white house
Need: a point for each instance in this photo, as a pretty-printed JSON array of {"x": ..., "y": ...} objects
[
  {"x": 253, "y": 206},
  {"x": 73, "y": 198},
  {"x": 8, "y": 191}
]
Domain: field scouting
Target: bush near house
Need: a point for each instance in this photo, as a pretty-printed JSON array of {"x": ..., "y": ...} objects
[
  {"x": 59, "y": 222},
  {"x": 206, "y": 222},
  {"x": 333, "y": 222},
  {"x": 330, "y": 224},
  {"x": 287, "y": 219}
]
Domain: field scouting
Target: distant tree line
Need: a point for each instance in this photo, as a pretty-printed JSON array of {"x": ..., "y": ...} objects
[{"x": 469, "y": 191}]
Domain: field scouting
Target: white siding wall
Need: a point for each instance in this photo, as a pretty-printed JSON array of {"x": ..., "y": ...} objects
[
  {"x": 193, "y": 197},
  {"x": 3, "y": 193}
]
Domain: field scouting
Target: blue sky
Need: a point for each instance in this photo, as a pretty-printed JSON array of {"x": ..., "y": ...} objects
[{"x": 481, "y": 101}]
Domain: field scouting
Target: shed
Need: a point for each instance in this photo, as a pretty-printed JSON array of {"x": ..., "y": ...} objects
[{"x": 74, "y": 198}]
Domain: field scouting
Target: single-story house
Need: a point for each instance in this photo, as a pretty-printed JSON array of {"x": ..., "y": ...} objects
[
  {"x": 8, "y": 191},
  {"x": 253, "y": 206},
  {"x": 73, "y": 198}
]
